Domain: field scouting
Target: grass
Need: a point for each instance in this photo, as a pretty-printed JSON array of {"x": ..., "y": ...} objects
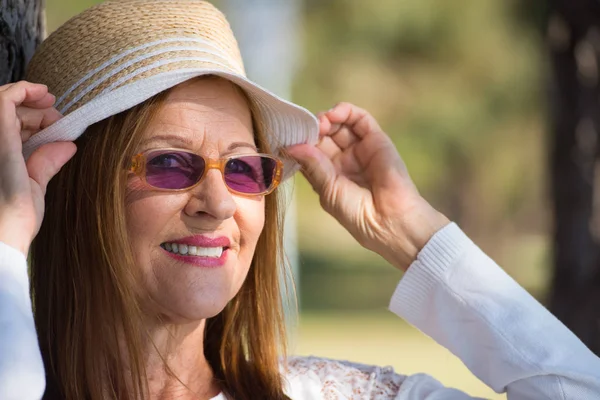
[{"x": 382, "y": 339}]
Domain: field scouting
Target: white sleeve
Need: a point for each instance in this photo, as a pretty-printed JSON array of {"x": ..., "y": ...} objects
[
  {"x": 458, "y": 296},
  {"x": 22, "y": 374}
]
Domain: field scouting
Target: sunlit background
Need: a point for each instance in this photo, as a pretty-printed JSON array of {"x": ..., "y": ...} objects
[{"x": 460, "y": 87}]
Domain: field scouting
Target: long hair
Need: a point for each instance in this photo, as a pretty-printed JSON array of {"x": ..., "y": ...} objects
[{"x": 86, "y": 292}]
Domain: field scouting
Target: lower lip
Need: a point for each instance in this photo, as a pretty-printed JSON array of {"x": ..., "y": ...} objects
[{"x": 206, "y": 262}]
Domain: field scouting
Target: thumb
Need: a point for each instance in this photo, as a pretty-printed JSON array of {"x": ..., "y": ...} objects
[
  {"x": 317, "y": 168},
  {"x": 46, "y": 161}
]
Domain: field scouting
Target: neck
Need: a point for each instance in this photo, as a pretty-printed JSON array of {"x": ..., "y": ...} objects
[{"x": 176, "y": 366}]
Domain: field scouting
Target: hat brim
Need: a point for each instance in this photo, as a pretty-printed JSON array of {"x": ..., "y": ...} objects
[{"x": 285, "y": 123}]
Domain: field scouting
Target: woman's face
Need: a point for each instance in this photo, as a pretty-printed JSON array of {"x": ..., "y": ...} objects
[{"x": 209, "y": 117}]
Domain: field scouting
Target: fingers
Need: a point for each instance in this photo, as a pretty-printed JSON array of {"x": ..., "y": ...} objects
[
  {"x": 345, "y": 124},
  {"x": 341, "y": 134},
  {"x": 30, "y": 94},
  {"x": 329, "y": 147},
  {"x": 46, "y": 101},
  {"x": 4, "y": 87},
  {"x": 27, "y": 95},
  {"x": 358, "y": 120},
  {"x": 316, "y": 166},
  {"x": 46, "y": 161},
  {"x": 34, "y": 120}
]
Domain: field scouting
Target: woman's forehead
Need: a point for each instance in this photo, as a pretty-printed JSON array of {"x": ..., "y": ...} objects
[{"x": 203, "y": 111}]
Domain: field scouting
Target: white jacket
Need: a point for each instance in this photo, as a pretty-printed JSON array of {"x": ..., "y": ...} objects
[{"x": 453, "y": 292}]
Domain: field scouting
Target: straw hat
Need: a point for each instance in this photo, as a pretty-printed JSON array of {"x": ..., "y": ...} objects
[{"x": 118, "y": 54}]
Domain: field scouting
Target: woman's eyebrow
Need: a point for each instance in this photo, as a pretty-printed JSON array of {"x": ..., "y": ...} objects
[
  {"x": 236, "y": 145},
  {"x": 189, "y": 143},
  {"x": 169, "y": 138}
]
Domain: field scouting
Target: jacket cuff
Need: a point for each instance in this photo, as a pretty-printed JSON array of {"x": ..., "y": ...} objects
[
  {"x": 13, "y": 269},
  {"x": 433, "y": 264}
]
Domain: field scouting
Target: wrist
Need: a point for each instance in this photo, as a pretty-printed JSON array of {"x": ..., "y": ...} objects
[
  {"x": 24, "y": 249},
  {"x": 16, "y": 241},
  {"x": 416, "y": 232}
]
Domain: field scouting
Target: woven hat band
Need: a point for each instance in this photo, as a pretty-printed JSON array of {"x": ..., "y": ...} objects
[
  {"x": 108, "y": 43},
  {"x": 140, "y": 63}
]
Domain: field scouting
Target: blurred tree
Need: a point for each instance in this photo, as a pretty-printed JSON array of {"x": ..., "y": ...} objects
[
  {"x": 457, "y": 87},
  {"x": 22, "y": 29},
  {"x": 573, "y": 31}
]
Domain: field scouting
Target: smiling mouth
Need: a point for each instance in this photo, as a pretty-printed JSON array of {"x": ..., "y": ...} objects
[{"x": 194, "y": 251}]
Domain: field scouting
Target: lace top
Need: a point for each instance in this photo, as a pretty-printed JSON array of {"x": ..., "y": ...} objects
[{"x": 342, "y": 379}]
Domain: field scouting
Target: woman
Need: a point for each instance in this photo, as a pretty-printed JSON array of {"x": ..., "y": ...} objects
[{"x": 155, "y": 271}]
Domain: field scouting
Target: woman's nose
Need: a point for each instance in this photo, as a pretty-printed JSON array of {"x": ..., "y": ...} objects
[{"x": 212, "y": 197}]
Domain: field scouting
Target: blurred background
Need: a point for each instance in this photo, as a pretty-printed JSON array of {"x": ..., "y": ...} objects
[{"x": 464, "y": 89}]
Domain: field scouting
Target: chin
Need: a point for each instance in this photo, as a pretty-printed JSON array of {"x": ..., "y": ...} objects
[
  {"x": 204, "y": 311},
  {"x": 186, "y": 309}
]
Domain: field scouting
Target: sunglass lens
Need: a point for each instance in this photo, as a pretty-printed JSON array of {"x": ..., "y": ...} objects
[
  {"x": 168, "y": 169},
  {"x": 250, "y": 174}
]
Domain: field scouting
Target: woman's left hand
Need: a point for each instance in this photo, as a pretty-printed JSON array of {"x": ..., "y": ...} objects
[{"x": 362, "y": 181}]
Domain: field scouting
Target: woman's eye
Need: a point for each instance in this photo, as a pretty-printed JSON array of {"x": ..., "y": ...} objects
[
  {"x": 239, "y": 167},
  {"x": 168, "y": 160}
]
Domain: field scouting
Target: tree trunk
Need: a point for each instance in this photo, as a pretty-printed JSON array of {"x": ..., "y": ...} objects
[
  {"x": 22, "y": 29},
  {"x": 574, "y": 39}
]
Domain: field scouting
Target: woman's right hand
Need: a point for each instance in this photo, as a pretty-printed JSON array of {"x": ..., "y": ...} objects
[
  {"x": 363, "y": 182},
  {"x": 25, "y": 109}
]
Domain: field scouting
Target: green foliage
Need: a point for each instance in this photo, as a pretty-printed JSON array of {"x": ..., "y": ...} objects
[
  {"x": 458, "y": 87},
  {"x": 59, "y": 11}
]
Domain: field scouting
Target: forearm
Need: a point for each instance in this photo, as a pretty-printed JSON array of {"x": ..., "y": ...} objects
[
  {"x": 454, "y": 293},
  {"x": 402, "y": 245},
  {"x": 21, "y": 367}
]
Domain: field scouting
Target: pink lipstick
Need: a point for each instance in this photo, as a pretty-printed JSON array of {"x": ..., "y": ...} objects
[{"x": 202, "y": 251}]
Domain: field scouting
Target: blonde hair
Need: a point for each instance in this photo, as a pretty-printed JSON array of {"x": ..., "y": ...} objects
[{"x": 85, "y": 284}]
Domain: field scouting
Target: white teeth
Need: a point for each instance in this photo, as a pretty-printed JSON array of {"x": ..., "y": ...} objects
[
  {"x": 184, "y": 249},
  {"x": 209, "y": 251}
]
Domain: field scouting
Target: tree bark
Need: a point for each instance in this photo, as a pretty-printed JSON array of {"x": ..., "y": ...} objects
[
  {"x": 574, "y": 45},
  {"x": 22, "y": 29}
]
